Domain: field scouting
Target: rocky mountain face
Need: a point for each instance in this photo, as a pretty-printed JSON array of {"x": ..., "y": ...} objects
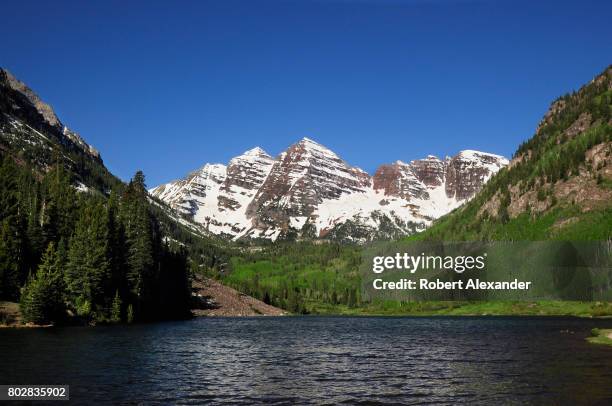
[
  {"x": 309, "y": 192},
  {"x": 31, "y": 131},
  {"x": 25, "y": 112}
]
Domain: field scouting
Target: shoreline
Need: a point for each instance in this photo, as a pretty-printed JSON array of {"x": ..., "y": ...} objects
[
  {"x": 601, "y": 336},
  {"x": 333, "y": 315},
  {"x": 218, "y": 300}
]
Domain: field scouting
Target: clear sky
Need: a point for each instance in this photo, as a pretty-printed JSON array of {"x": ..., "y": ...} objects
[{"x": 168, "y": 86}]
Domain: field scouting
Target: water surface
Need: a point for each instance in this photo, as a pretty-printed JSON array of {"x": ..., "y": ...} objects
[{"x": 319, "y": 360}]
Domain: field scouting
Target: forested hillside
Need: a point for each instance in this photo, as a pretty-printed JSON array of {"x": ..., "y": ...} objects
[
  {"x": 299, "y": 277},
  {"x": 557, "y": 186},
  {"x": 65, "y": 253},
  {"x": 76, "y": 243}
]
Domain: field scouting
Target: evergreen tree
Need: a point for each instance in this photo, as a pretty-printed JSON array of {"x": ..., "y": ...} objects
[
  {"x": 130, "y": 313},
  {"x": 9, "y": 262},
  {"x": 88, "y": 274},
  {"x": 11, "y": 234},
  {"x": 174, "y": 284},
  {"x": 116, "y": 243},
  {"x": 58, "y": 205},
  {"x": 143, "y": 243},
  {"x": 34, "y": 237},
  {"x": 41, "y": 299},
  {"x": 115, "y": 316},
  {"x": 9, "y": 203}
]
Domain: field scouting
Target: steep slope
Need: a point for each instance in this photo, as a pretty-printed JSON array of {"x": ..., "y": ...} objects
[
  {"x": 31, "y": 131},
  {"x": 32, "y": 134},
  {"x": 310, "y": 192},
  {"x": 217, "y": 196},
  {"x": 559, "y": 183}
]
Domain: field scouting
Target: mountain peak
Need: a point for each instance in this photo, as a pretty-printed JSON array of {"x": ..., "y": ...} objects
[
  {"x": 471, "y": 154},
  {"x": 314, "y": 148},
  {"x": 41, "y": 107},
  {"x": 310, "y": 143},
  {"x": 5, "y": 74},
  {"x": 257, "y": 151}
]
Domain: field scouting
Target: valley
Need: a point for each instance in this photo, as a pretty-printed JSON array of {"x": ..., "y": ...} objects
[{"x": 289, "y": 231}]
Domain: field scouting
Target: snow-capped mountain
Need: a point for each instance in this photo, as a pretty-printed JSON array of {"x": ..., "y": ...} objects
[{"x": 310, "y": 192}]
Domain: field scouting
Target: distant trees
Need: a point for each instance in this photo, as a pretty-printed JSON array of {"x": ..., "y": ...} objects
[
  {"x": 103, "y": 259},
  {"x": 299, "y": 276}
]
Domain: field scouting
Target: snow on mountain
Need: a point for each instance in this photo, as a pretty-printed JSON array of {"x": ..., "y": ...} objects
[
  {"x": 25, "y": 117},
  {"x": 302, "y": 177},
  {"x": 217, "y": 196},
  {"x": 310, "y": 192}
]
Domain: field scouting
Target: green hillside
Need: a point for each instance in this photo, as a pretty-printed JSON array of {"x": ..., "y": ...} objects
[{"x": 558, "y": 185}]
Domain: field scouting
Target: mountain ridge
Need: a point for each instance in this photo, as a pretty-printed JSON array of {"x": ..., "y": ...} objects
[
  {"x": 17, "y": 97},
  {"x": 308, "y": 191}
]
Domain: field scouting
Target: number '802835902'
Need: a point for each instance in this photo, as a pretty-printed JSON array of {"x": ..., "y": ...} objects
[{"x": 34, "y": 392}]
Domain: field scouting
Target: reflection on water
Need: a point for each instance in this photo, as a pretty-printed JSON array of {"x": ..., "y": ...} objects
[{"x": 295, "y": 360}]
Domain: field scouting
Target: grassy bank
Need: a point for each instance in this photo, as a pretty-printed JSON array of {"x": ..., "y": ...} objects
[
  {"x": 601, "y": 336},
  {"x": 497, "y": 308},
  {"x": 10, "y": 316}
]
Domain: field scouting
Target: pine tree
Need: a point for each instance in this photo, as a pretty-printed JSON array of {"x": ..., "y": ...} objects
[
  {"x": 9, "y": 203},
  {"x": 88, "y": 276},
  {"x": 58, "y": 205},
  {"x": 9, "y": 262},
  {"x": 76, "y": 278},
  {"x": 130, "y": 313},
  {"x": 143, "y": 247},
  {"x": 11, "y": 243},
  {"x": 41, "y": 299},
  {"x": 116, "y": 309},
  {"x": 33, "y": 244},
  {"x": 116, "y": 244}
]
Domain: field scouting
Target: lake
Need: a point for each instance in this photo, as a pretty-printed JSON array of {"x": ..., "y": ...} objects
[{"x": 318, "y": 360}]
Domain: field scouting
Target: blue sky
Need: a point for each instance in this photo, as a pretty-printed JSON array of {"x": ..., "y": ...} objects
[{"x": 168, "y": 86}]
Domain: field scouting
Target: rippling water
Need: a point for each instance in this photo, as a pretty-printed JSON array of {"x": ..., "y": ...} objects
[{"x": 320, "y": 360}]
